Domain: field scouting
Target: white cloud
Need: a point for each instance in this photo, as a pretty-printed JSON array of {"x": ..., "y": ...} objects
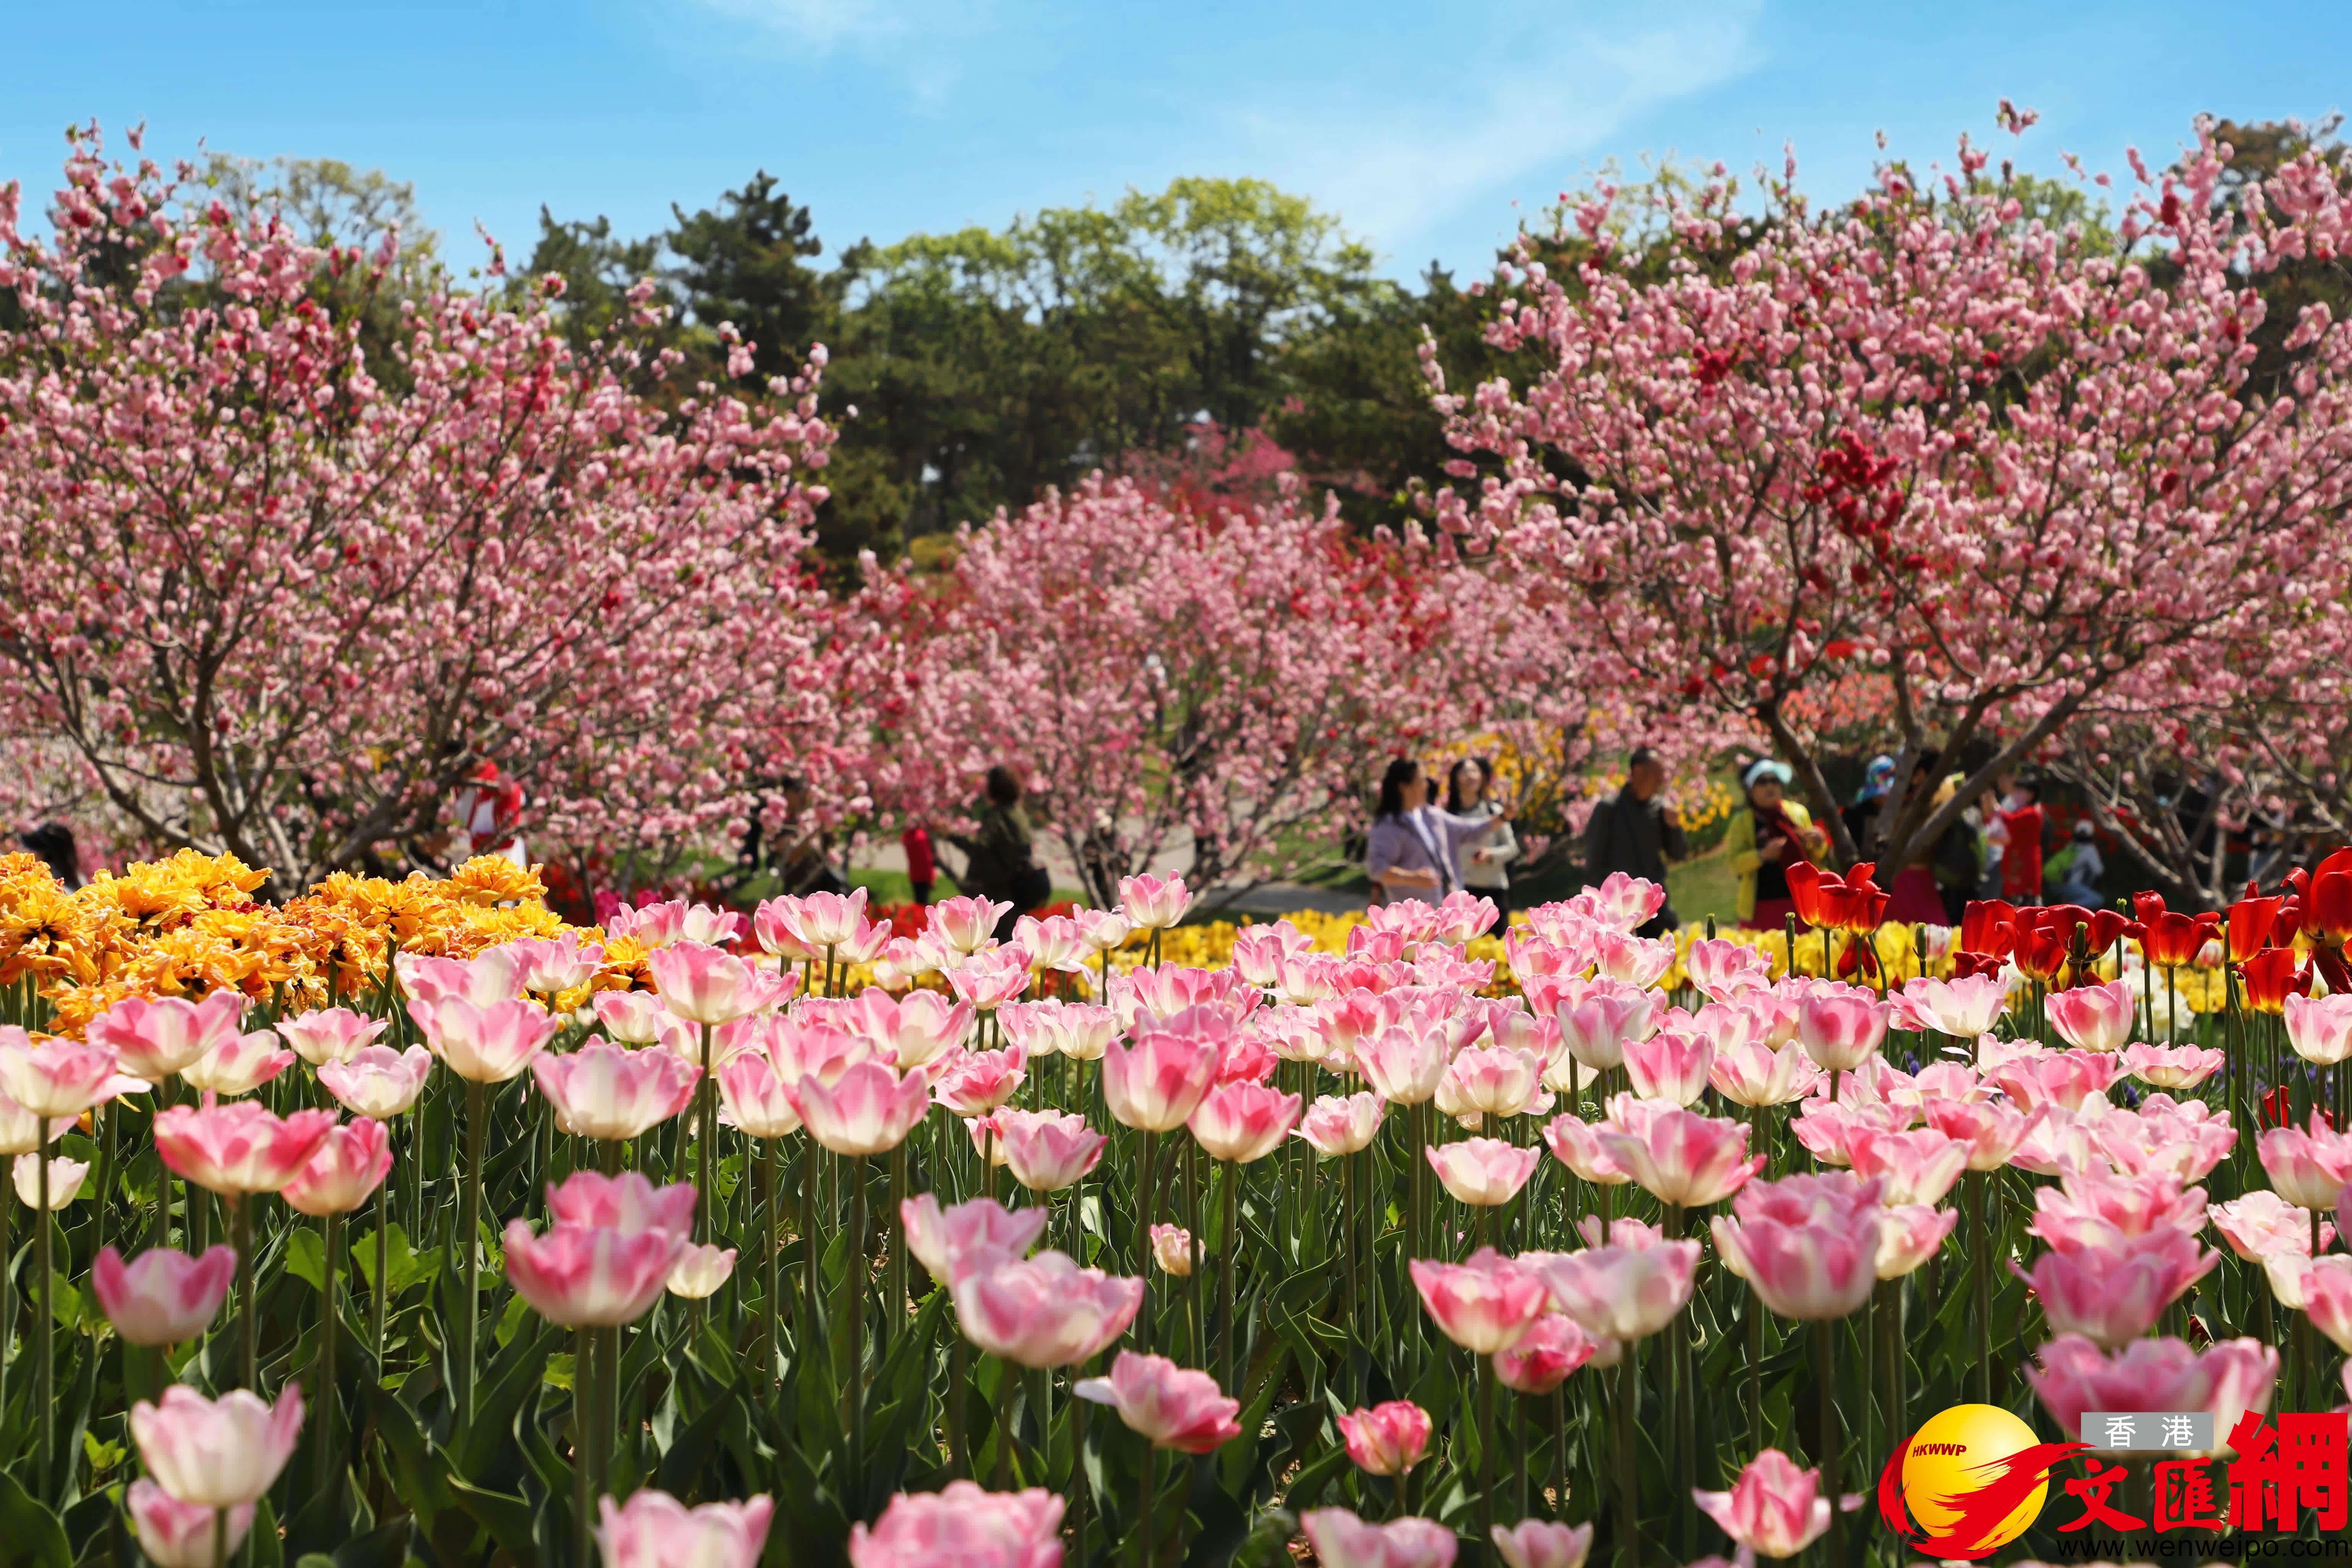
[{"x": 1396, "y": 166}]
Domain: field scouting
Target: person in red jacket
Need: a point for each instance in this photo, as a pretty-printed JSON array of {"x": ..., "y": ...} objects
[
  {"x": 2020, "y": 861},
  {"x": 922, "y": 867}
]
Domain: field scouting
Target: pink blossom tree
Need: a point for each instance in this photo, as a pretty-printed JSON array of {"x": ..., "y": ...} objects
[
  {"x": 1920, "y": 439},
  {"x": 1164, "y": 669},
  {"x": 271, "y": 596}
]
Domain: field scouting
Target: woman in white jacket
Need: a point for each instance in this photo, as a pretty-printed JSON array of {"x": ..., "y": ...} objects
[{"x": 1468, "y": 793}]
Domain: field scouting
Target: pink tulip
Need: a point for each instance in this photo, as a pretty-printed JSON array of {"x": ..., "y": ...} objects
[
  {"x": 238, "y": 1066},
  {"x": 1620, "y": 1292},
  {"x": 1753, "y": 1073},
  {"x": 1156, "y": 1085},
  {"x": 161, "y": 1297},
  {"x": 654, "y": 1529},
  {"x": 1908, "y": 1235},
  {"x": 1962, "y": 1009},
  {"x": 1540, "y": 1543},
  {"x": 1724, "y": 969},
  {"x": 1482, "y": 1172},
  {"x": 629, "y": 1203},
  {"x": 2262, "y": 1223},
  {"x": 699, "y": 1271},
  {"x": 1053, "y": 1028},
  {"x": 703, "y": 985},
  {"x": 1597, "y": 1024},
  {"x": 2184, "y": 1138},
  {"x": 2174, "y": 1067},
  {"x": 1387, "y": 1439},
  {"x": 1496, "y": 1081},
  {"x": 1914, "y": 1168},
  {"x": 238, "y": 1147},
  {"x": 1483, "y": 1305},
  {"x": 2327, "y": 1291},
  {"x": 1989, "y": 1133},
  {"x": 752, "y": 1098},
  {"x": 486, "y": 979},
  {"x": 1340, "y": 1124},
  {"x": 1774, "y": 1509},
  {"x": 554, "y": 965},
  {"x": 638, "y": 1018},
  {"x": 1172, "y": 1408},
  {"x": 974, "y": 1082},
  {"x": 347, "y": 1166},
  {"x": 1576, "y": 1144},
  {"x": 1051, "y": 944},
  {"x": 2110, "y": 1288},
  {"x": 603, "y": 1092},
  {"x": 2320, "y": 1028},
  {"x": 1242, "y": 1122},
  {"x": 1622, "y": 1231},
  {"x": 2227, "y": 1379},
  {"x": 175, "y": 1534},
  {"x": 1679, "y": 1156},
  {"x": 2308, "y": 1166},
  {"x": 986, "y": 980},
  {"x": 1047, "y": 1150},
  {"x": 1631, "y": 960},
  {"x": 1259, "y": 950},
  {"x": 2095, "y": 1017},
  {"x": 65, "y": 1180},
  {"x": 154, "y": 1036},
  {"x": 962, "y": 1526},
  {"x": 967, "y": 925},
  {"x": 823, "y": 920},
  {"x": 1152, "y": 902},
  {"x": 869, "y": 1110},
  {"x": 57, "y": 1080},
  {"x": 662, "y": 924},
  {"x": 953, "y": 1242},
  {"x": 331, "y": 1034},
  {"x": 1808, "y": 1245},
  {"x": 483, "y": 1045},
  {"x": 1840, "y": 1029},
  {"x": 1044, "y": 1311},
  {"x": 1171, "y": 1248},
  {"x": 1340, "y": 1540},
  {"x": 1552, "y": 1347},
  {"x": 2065, "y": 1079},
  {"x": 378, "y": 1081},
  {"x": 584, "y": 1276},
  {"x": 216, "y": 1453},
  {"x": 1404, "y": 1066},
  {"x": 1670, "y": 1066},
  {"x": 2135, "y": 1205}
]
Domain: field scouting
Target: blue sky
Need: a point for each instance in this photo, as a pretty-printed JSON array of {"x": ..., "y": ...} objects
[{"x": 1428, "y": 127}]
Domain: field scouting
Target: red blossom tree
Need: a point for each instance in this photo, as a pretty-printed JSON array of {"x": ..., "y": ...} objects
[
  {"x": 1922, "y": 441},
  {"x": 270, "y": 595}
]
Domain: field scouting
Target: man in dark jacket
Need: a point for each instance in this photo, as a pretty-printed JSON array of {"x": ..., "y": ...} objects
[{"x": 1636, "y": 832}]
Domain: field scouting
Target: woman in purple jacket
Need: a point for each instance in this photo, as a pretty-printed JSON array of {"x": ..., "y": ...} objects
[{"x": 1414, "y": 848}]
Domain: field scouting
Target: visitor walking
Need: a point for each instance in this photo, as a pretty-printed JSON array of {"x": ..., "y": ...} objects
[
  {"x": 922, "y": 864},
  {"x": 2082, "y": 867},
  {"x": 1469, "y": 785},
  {"x": 1764, "y": 840},
  {"x": 1414, "y": 850},
  {"x": 1000, "y": 853},
  {"x": 1877, "y": 784},
  {"x": 2021, "y": 821},
  {"x": 1636, "y": 832}
]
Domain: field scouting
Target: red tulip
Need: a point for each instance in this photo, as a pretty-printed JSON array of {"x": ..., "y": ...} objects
[
  {"x": 1989, "y": 926},
  {"x": 2270, "y": 977},
  {"x": 2327, "y": 896},
  {"x": 2251, "y": 921}
]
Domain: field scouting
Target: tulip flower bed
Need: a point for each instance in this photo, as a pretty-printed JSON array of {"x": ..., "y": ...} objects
[{"x": 403, "y": 1223}]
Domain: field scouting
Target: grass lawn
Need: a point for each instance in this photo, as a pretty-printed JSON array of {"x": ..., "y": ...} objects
[{"x": 1702, "y": 886}]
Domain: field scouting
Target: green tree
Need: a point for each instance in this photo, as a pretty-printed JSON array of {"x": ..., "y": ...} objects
[{"x": 744, "y": 261}]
